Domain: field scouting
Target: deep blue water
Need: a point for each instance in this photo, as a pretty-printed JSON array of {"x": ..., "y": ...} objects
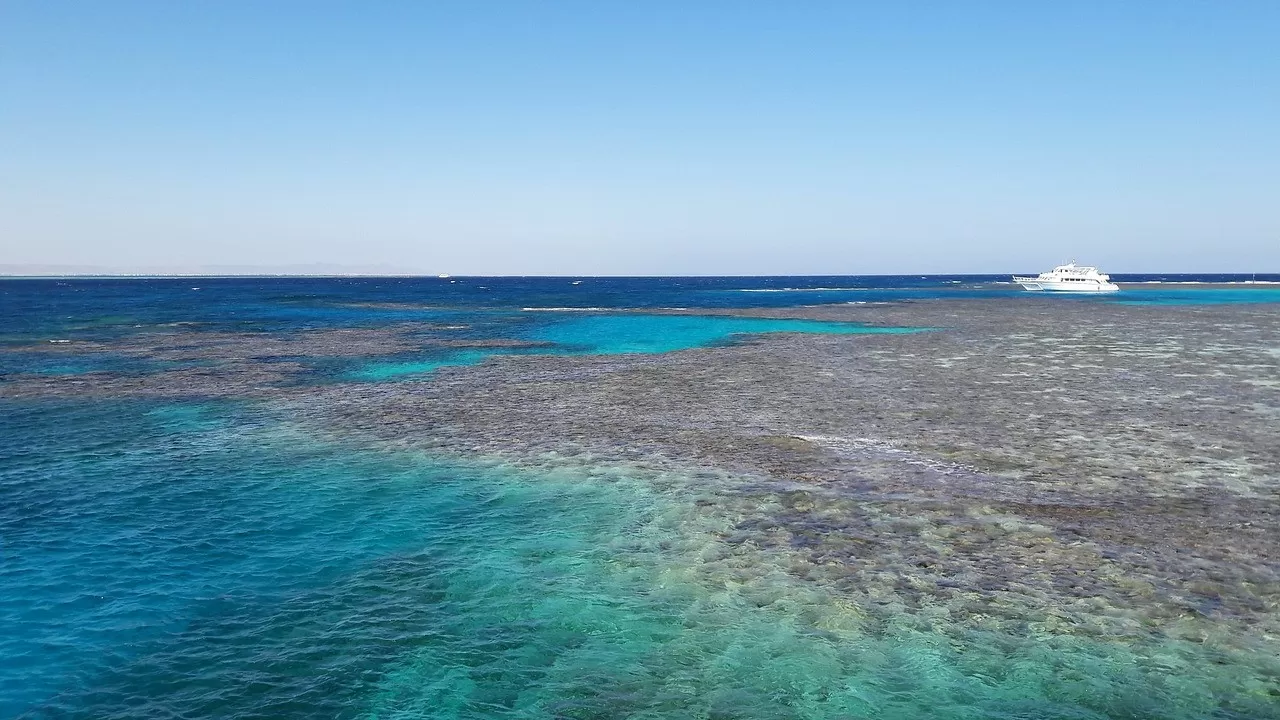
[
  {"x": 107, "y": 307},
  {"x": 164, "y": 559}
]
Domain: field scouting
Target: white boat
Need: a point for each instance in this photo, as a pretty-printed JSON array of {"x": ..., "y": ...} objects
[{"x": 1069, "y": 278}]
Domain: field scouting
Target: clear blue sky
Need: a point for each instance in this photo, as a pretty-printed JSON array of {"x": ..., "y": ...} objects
[{"x": 642, "y": 137}]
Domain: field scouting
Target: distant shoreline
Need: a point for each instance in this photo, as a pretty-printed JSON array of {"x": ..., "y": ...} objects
[{"x": 5, "y": 276}]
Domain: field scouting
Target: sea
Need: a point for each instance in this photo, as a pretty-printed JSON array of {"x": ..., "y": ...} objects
[{"x": 165, "y": 557}]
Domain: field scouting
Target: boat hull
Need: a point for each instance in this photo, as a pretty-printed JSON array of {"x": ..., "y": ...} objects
[{"x": 1036, "y": 285}]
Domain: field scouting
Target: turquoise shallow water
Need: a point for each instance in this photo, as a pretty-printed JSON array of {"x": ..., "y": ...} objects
[
  {"x": 378, "y": 370},
  {"x": 613, "y": 334},
  {"x": 1193, "y": 295},
  {"x": 209, "y": 561}
]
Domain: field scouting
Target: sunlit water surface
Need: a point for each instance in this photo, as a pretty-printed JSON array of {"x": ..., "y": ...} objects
[
  {"x": 164, "y": 560},
  {"x": 207, "y": 562}
]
